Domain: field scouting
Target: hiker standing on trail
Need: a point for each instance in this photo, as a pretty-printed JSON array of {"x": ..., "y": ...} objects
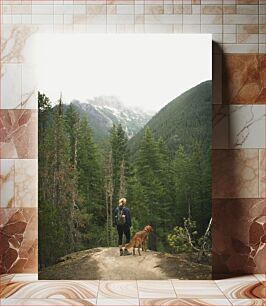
[{"x": 123, "y": 223}]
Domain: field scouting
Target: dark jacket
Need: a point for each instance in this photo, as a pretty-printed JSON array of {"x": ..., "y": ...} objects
[{"x": 126, "y": 213}]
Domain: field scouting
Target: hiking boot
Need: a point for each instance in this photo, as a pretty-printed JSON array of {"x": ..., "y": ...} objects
[
  {"x": 121, "y": 252},
  {"x": 126, "y": 252}
]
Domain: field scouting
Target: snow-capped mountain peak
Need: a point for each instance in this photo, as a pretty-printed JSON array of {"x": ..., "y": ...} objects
[{"x": 104, "y": 111}]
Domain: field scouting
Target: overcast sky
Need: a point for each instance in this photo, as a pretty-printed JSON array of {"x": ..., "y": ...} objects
[{"x": 142, "y": 70}]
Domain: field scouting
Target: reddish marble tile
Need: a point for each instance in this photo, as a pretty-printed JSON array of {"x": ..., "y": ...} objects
[
  {"x": 18, "y": 134},
  {"x": 235, "y": 173},
  {"x": 18, "y": 235},
  {"x": 243, "y": 79},
  {"x": 239, "y": 236}
]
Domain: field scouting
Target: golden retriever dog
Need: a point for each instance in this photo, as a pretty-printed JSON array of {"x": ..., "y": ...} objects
[{"x": 140, "y": 240}]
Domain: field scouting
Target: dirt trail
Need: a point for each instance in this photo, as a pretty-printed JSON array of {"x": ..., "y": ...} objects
[{"x": 105, "y": 263}]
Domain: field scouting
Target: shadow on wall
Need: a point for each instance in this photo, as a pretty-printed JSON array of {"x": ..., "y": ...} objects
[{"x": 239, "y": 211}]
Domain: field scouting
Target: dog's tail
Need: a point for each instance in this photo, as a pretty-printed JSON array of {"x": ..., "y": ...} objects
[{"x": 134, "y": 243}]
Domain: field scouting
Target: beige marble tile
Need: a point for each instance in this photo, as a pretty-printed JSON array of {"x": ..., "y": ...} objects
[
  {"x": 229, "y": 29},
  {"x": 209, "y": 28},
  {"x": 260, "y": 277},
  {"x": 211, "y": 19},
  {"x": 125, "y": 9},
  {"x": 120, "y": 19},
  {"x": 197, "y": 289},
  {"x": 11, "y": 86},
  {"x": 7, "y": 183},
  {"x": 29, "y": 90},
  {"x": 211, "y": 9},
  {"x": 248, "y": 302},
  {"x": 158, "y": 28},
  {"x": 248, "y": 9},
  {"x": 118, "y": 290},
  {"x": 17, "y": 43},
  {"x": 240, "y": 19},
  {"x": 26, "y": 182},
  {"x": 42, "y": 19},
  {"x": 229, "y": 9},
  {"x": 139, "y": 8},
  {"x": 178, "y": 9},
  {"x": 96, "y": 9},
  {"x": 163, "y": 19},
  {"x": 154, "y": 9},
  {"x": 247, "y": 126},
  {"x": 247, "y": 38},
  {"x": 168, "y": 9},
  {"x": 184, "y": 302},
  {"x": 240, "y": 48},
  {"x": 43, "y": 9},
  {"x": 156, "y": 289},
  {"x": 248, "y": 28},
  {"x": 229, "y": 38},
  {"x": 117, "y": 302},
  {"x": 48, "y": 302},
  {"x": 187, "y": 9},
  {"x": 79, "y": 9},
  {"x": 25, "y": 277},
  {"x": 191, "y": 19},
  {"x": 195, "y": 9}
]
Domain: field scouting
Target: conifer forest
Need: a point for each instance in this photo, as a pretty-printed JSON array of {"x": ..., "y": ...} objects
[{"x": 164, "y": 172}]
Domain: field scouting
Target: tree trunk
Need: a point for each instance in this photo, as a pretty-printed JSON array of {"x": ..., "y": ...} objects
[
  {"x": 202, "y": 248},
  {"x": 109, "y": 198},
  {"x": 122, "y": 189}
]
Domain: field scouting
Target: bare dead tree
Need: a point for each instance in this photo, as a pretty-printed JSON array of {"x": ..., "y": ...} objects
[
  {"x": 109, "y": 190},
  {"x": 122, "y": 189},
  {"x": 201, "y": 249}
]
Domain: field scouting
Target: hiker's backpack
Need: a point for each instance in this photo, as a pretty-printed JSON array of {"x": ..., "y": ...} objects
[{"x": 119, "y": 219}]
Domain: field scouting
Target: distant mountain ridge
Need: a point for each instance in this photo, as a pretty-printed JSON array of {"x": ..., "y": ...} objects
[
  {"x": 185, "y": 119},
  {"x": 104, "y": 111}
]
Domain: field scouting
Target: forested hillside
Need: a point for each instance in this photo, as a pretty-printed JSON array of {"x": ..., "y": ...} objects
[
  {"x": 183, "y": 120},
  {"x": 166, "y": 178}
]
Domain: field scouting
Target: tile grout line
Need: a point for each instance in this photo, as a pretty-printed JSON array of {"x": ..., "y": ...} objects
[{"x": 138, "y": 291}]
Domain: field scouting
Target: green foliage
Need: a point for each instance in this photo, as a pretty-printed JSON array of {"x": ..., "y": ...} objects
[
  {"x": 179, "y": 239},
  {"x": 186, "y": 239}
]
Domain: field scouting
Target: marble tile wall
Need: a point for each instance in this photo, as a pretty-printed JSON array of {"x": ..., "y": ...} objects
[{"x": 238, "y": 28}]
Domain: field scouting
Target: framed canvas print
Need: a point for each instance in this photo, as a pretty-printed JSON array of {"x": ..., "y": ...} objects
[{"x": 124, "y": 156}]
